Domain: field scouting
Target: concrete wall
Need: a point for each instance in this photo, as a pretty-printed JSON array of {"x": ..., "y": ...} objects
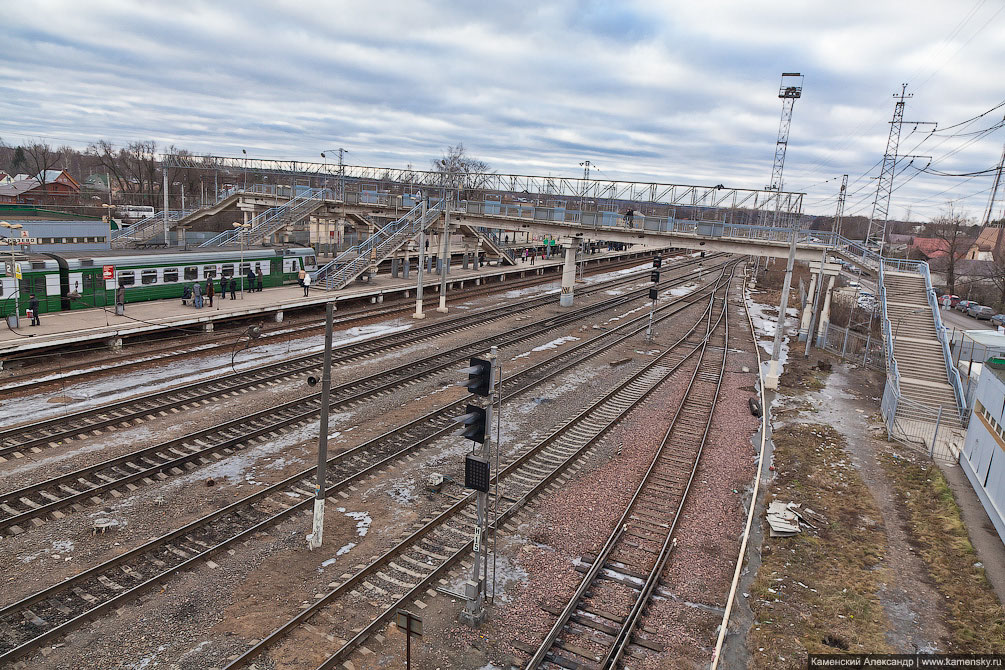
[{"x": 983, "y": 455}]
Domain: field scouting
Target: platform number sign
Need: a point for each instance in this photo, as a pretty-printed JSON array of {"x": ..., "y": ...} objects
[{"x": 107, "y": 272}]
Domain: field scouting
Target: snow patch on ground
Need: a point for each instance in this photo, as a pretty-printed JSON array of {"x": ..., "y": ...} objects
[{"x": 554, "y": 344}]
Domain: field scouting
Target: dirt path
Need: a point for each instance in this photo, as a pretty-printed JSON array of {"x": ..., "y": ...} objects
[{"x": 911, "y": 602}]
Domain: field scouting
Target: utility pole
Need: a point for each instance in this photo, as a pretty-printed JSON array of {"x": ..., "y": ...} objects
[
  {"x": 994, "y": 191},
  {"x": 839, "y": 212},
  {"x": 586, "y": 183},
  {"x": 876, "y": 232},
  {"x": 445, "y": 259},
  {"x": 164, "y": 169},
  {"x": 771, "y": 379},
  {"x": 789, "y": 90},
  {"x": 422, "y": 261},
  {"x": 317, "y": 533}
]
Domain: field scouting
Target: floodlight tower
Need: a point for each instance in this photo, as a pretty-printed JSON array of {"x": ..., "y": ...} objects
[{"x": 790, "y": 90}]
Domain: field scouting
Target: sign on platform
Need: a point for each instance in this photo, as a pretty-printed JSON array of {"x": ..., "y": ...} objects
[
  {"x": 14, "y": 241},
  {"x": 107, "y": 272},
  {"x": 17, "y": 271}
]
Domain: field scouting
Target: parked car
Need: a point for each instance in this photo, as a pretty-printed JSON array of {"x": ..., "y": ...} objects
[
  {"x": 980, "y": 312},
  {"x": 953, "y": 299},
  {"x": 964, "y": 305},
  {"x": 998, "y": 320}
]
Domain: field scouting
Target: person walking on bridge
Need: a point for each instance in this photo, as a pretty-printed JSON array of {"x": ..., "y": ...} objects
[{"x": 630, "y": 218}]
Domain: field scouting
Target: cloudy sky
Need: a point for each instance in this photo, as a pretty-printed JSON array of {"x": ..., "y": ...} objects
[{"x": 681, "y": 92}]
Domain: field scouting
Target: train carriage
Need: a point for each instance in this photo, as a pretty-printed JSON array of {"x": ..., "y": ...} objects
[{"x": 68, "y": 281}]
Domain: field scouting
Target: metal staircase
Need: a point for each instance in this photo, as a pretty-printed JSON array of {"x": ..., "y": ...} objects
[
  {"x": 353, "y": 262},
  {"x": 147, "y": 229},
  {"x": 274, "y": 219},
  {"x": 492, "y": 242}
]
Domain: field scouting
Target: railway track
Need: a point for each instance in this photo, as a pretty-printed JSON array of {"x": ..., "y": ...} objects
[
  {"x": 34, "y": 503},
  {"x": 404, "y": 572},
  {"x": 596, "y": 627},
  {"x": 51, "y": 612},
  {"x": 76, "y": 373},
  {"x": 32, "y": 438}
]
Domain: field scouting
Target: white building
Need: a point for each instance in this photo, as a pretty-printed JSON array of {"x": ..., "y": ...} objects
[{"x": 983, "y": 455}]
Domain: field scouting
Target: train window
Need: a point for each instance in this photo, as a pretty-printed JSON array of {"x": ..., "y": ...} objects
[
  {"x": 245, "y": 267},
  {"x": 148, "y": 277},
  {"x": 91, "y": 283},
  {"x": 170, "y": 274},
  {"x": 208, "y": 271},
  {"x": 191, "y": 273},
  {"x": 309, "y": 261},
  {"x": 228, "y": 270},
  {"x": 126, "y": 277}
]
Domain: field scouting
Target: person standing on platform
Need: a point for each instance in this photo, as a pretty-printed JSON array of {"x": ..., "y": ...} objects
[
  {"x": 307, "y": 284},
  {"x": 210, "y": 291},
  {"x": 33, "y": 307},
  {"x": 251, "y": 280},
  {"x": 197, "y": 295},
  {"x": 120, "y": 297},
  {"x": 300, "y": 277},
  {"x": 233, "y": 288},
  {"x": 223, "y": 287},
  {"x": 261, "y": 279}
]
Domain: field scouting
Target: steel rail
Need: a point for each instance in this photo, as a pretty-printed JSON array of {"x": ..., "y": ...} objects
[
  {"x": 40, "y": 433},
  {"x": 590, "y": 423},
  {"x": 60, "y": 492},
  {"x": 627, "y": 625},
  {"x": 225, "y": 340},
  {"x": 21, "y": 609}
]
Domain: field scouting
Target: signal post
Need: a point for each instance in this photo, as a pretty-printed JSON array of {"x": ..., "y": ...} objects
[{"x": 477, "y": 420}]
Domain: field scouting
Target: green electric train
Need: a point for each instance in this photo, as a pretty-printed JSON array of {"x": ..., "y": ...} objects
[{"x": 81, "y": 280}]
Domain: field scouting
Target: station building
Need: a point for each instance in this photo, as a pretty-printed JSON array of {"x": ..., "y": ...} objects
[
  {"x": 56, "y": 236},
  {"x": 983, "y": 454}
]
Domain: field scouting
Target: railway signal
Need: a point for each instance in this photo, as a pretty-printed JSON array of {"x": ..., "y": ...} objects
[
  {"x": 654, "y": 277},
  {"x": 481, "y": 382}
]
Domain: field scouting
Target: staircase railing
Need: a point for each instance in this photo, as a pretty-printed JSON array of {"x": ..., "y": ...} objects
[
  {"x": 273, "y": 218},
  {"x": 497, "y": 242},
  {"x": 147, "y": 228},
  {"x": 350, "y": 263},
  {"x": 942, "y": 332}
]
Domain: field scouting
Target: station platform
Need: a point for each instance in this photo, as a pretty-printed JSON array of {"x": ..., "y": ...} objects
[{"x": 78, "y": 327}]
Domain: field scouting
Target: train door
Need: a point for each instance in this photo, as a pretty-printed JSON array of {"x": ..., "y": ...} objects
[{"x": 92, "y": 288}]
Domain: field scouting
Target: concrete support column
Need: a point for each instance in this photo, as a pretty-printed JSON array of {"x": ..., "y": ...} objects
[
  {"x": 474, "y": 261},
  {"x": 394, "y": 268},
  {"x": 825, "y": 314},
  {"x": 568, "y": 274},
  {"x": 804, "y": 323},
  {"x": 464, "y": 261},
  {"x": 181, "y": 236}
]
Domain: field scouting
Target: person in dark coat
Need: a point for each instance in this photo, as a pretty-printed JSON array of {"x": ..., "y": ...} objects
[
  {"x": 261, "y": 279},
  {"x": 33, "y": 306},
  {"x": 210, "y": 291},
  {"x": 223, "y": 287},
  {"x": 251, "y": 280},
  {"x": 233, "y": 288}
]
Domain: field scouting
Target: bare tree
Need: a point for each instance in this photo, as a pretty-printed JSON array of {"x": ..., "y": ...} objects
[
  {"x": 134, "y": 168},
  {"x": 951, "y": 228},
  {"x": 41, "y": 157},
  {"x": 458, "y": 168}
]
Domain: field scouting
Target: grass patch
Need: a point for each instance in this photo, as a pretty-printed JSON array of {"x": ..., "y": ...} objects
[
  {"x": 973, "y": 611},
  {"x": 816, "y": 592}
]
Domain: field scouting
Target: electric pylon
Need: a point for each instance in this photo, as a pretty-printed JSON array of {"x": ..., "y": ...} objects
[
  {"x": 876, "y": 232},
  {"x": 839, "y": 212}
]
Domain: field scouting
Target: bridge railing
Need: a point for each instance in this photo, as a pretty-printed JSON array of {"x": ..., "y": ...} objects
[{"x": 266, "y": 222}]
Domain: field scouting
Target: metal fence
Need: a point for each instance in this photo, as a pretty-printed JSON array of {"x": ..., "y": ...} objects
[
  {"x": 849, "y": 345},
  {"x": 922, "y": 427}
]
